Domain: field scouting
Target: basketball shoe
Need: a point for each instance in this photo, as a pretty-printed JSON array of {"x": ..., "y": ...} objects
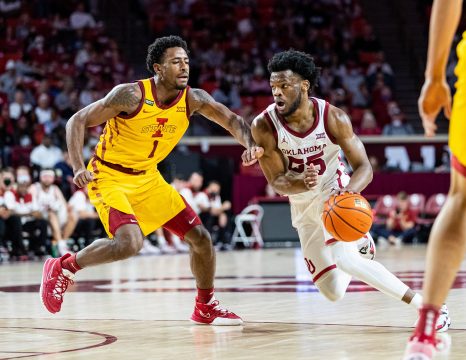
[
  {"x": 366, "y": 247},
  {"x": 213, "y": 314},
  {"x": 55, "y": 281},
  {"x": 425, "y": 349},
  {"x": 443, "y": 320}
]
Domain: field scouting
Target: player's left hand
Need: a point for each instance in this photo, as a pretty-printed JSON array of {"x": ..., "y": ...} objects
[
  {"x": 311, "y": 176},
  {"x": 251, "y": 155},
  {"x": 341, "y": 191}
]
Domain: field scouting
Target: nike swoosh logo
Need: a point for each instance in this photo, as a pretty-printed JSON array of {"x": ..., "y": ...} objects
[
  {"x": 49, "y": 275},
  {"x": 190, "y": 222},
  {"x": 204, "y": 315},
  {"x": 146, "y": 111},
  {"x": 132, "y": 220}
]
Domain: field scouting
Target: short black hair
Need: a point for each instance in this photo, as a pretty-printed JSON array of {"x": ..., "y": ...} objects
[
  {"x": 298, "y": 62},
  {"x": 157, "y": 49}
]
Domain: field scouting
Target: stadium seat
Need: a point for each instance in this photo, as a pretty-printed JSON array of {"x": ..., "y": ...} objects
[
  {"x": 417, "y": 203},
  {"x": 382, "y": 208},
  {"x": 432, "y": 208}
]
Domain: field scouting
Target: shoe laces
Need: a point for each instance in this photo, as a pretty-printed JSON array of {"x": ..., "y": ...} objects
[
  {"x": 63, "y": 281},
  {"x": 216, "y": 305}
]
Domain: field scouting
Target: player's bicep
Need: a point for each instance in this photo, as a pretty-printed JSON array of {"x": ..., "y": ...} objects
[{"x": 341, "y": 128}]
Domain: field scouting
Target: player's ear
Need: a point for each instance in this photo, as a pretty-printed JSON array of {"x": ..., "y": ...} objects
[
  {"x": 306, "y": 85},
  {"x": 157, "y": 68}
]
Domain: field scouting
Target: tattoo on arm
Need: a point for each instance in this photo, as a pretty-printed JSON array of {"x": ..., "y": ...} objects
[{"x": 123, "y": 97}]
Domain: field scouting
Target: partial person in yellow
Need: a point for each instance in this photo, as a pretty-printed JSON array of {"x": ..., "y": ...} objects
[{"x": 447, "y": 240}]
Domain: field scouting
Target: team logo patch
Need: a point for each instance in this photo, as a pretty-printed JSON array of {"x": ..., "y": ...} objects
[
  {"x": 320, "y": 136},
  {"x": 149, "y": 102},
  {"x": 180, "y": 109},
  {"x": 359, "y": 203}
]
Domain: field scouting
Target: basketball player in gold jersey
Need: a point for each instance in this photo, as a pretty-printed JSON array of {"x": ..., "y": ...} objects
[
  {"x": 447, "y": 242},
  {"x": 144, "y": 121}
]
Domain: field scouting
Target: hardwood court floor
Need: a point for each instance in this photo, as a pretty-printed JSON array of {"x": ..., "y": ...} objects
[{"x": 139, "y": 309}]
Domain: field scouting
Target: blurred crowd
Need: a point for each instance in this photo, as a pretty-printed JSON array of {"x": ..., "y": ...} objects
[{"x": 232, "y": 41}]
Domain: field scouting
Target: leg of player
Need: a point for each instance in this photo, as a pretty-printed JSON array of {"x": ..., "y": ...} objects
[
  {"x": 447, "y": 245},
  {"x": 347, "y": 259},
  {"x": 58, "y": 273},
  {"x": 207, "y": 309}
]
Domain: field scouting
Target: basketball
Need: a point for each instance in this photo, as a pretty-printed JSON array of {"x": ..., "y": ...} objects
[{"x": 347, "y": 217}]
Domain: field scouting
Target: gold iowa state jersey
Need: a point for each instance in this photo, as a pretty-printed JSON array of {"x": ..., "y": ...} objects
[{"x": 144, "y": 138}]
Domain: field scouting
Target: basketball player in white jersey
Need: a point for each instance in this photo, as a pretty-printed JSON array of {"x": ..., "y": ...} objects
[{"x": 301, "y": 138}]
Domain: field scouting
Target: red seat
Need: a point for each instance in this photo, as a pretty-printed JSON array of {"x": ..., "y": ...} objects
[
  {"x": 432, "y": 208},
  {"x": 417, "y": 203},
  {"x": 382, "y": 208}
]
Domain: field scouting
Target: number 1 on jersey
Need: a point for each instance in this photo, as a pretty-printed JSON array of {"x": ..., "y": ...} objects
[{"x": 157, "y": 134}]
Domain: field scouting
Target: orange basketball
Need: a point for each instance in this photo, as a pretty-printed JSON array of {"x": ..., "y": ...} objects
[{"x": 347, "y": 217}]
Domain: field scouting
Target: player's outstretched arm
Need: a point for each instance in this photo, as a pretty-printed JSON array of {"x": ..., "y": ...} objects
[
  {"x": 122, "y": 98},
  {"x": 272, "y": 162},
  {"x": 435, "y": 94},
  {"x": 340, "y": 127},
  {"x": 201, "y": 102}
]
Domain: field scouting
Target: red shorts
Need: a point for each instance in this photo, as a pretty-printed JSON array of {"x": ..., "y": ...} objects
[{"x": 179, "y": 225}]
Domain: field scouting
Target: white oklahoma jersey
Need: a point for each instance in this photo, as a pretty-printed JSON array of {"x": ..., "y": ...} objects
[{"x": 316, "y": 146}]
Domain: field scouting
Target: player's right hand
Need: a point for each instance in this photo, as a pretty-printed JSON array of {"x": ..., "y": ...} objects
[
  {"x": 435, "y": 95},
  {"x": 83, "y": 177}
]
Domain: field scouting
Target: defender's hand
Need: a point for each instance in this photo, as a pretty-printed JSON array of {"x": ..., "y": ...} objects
[
  {"x": 251, "y": 155},
  {"x": 435, "y": 96},
  {"x": 83, "y": 177}
]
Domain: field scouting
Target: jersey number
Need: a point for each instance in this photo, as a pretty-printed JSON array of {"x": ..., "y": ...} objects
[
  {"x": 298, "y": 165},
  {"x": 157, "y": 134}
]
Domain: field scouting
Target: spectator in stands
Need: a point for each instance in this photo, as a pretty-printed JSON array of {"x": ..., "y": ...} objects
[
  {"x": 6, "y": 136},
  {"x": 380, "y": 67},
  {"x": 400, "y": 226},
  {"x": 397, "y": 125},
  {"x": 43, "y": 111},
  {"x": 258, "y": 84},
  {"x": 53, "y": 207},
  {"x": 11, "y": 229},
  {"x": 8, "y": 180},
  {"x": 217, "y": 218},
  {"x": 81, "y": 19},
  {"x": 369, "y": 125},
  {"x": 86, "y": 215},
  {"x": 64, "y": 175},
  {"x": 21, "y": 203},
  {"x": 46, "y": 155},
  {"x": 8, "y": 80},
  {"x": 19, "y": 106},
  {"x": 227, "y": 95}
]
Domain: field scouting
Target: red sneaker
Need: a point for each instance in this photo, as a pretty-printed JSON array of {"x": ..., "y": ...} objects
[
  {"x": 213, "y": 314},
  {"x": 419, "y": 350},
  {"x": 426, "y": 349},
  {"x": 55, "y": 281}
]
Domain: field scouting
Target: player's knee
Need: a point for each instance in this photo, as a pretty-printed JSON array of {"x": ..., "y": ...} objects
[
  {"x": 198, "y": 238},
  {"x": 127, "y": 244},
  {"x": 331, "y": 291}
]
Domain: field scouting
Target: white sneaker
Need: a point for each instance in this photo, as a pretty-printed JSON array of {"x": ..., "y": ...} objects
[
  {"x": 63, "y": 248},
  {"x": 167, "y": 249},
  {"x": 366, "y": 247},
  {"x": 180, "y": 246},
  {"x": 149, "y": 249},
  {"x": 443, "y": 321}
]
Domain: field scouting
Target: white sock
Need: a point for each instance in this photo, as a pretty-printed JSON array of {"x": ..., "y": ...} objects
[
  {"x": 371, "y": 272},
  {"x": 416, "y": 301}
]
